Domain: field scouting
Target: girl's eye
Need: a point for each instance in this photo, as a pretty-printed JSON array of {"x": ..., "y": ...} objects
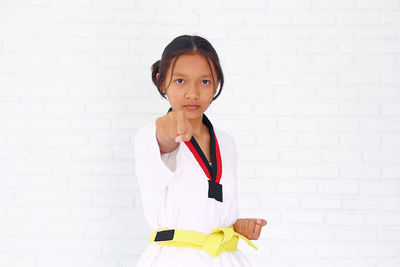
[
  {"x": 207, "y": 81},
  {"x": 179, "y": 80}
]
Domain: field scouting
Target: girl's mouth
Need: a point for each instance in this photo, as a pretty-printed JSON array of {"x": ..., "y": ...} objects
[{"x": 191, "y": 107}]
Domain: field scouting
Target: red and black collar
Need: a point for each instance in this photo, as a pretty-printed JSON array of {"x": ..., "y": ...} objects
[{"x": 213, "y": 172}]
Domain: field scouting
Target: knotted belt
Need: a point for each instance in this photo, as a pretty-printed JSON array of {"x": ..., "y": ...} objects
[{"x": 220, "y": 240}]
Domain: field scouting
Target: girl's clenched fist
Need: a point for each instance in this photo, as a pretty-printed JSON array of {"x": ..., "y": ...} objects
[
  {"x": 171, "y": 129},
  {"x": 250, "y": 228}
]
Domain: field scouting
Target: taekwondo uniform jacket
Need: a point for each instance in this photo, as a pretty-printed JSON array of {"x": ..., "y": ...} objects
[{"x": 179, "y": 192}]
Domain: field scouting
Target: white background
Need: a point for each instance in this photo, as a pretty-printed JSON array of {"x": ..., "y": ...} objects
[{"x": 312, "y": 98}]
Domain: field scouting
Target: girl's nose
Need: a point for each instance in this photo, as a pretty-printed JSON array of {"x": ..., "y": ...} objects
[{"x": 192, "y": 92}]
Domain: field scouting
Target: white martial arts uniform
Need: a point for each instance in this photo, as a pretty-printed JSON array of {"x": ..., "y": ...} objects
[{"x": 175, "y": 188}]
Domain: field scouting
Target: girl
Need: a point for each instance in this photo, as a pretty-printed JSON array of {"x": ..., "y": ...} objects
[{"x": 186, "y": 168}]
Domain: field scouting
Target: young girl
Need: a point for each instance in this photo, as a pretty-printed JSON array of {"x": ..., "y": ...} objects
[{"x": 186, "y": 168}]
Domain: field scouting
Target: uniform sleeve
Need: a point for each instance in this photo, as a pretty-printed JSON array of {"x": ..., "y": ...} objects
[
  {"x": 152, "y": 173},
  {"x": 150, "y": 168}
]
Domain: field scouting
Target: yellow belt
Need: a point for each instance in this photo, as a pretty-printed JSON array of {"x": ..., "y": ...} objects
[{"x": 220, "y": 240}]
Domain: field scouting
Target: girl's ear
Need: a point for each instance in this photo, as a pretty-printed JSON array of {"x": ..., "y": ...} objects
[{"x": 157, "y": 77}]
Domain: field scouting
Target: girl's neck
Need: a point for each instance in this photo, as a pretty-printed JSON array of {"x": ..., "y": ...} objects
[{"x": 199, "y": 129}]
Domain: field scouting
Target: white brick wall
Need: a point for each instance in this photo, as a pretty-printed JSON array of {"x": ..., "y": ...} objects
[{"x": 314, "y": 84}]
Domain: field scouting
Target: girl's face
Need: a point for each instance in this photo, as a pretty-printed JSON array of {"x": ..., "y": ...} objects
[{"x": 192, "y": 84}]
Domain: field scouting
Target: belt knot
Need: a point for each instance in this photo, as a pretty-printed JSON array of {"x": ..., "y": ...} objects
[{"x": 223, "y": 239}]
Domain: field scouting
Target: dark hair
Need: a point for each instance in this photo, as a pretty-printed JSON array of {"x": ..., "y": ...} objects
[{"x": 181, "y": 45}]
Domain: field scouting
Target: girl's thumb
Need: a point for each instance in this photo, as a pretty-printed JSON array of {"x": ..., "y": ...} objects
[{"x": 178, "y": 139}]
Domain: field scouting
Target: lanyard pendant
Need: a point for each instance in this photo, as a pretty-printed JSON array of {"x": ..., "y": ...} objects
[{"x": 215, "y": 190}]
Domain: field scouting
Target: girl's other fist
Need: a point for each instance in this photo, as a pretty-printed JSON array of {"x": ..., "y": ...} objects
[{"x": 250, "y": 228}]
